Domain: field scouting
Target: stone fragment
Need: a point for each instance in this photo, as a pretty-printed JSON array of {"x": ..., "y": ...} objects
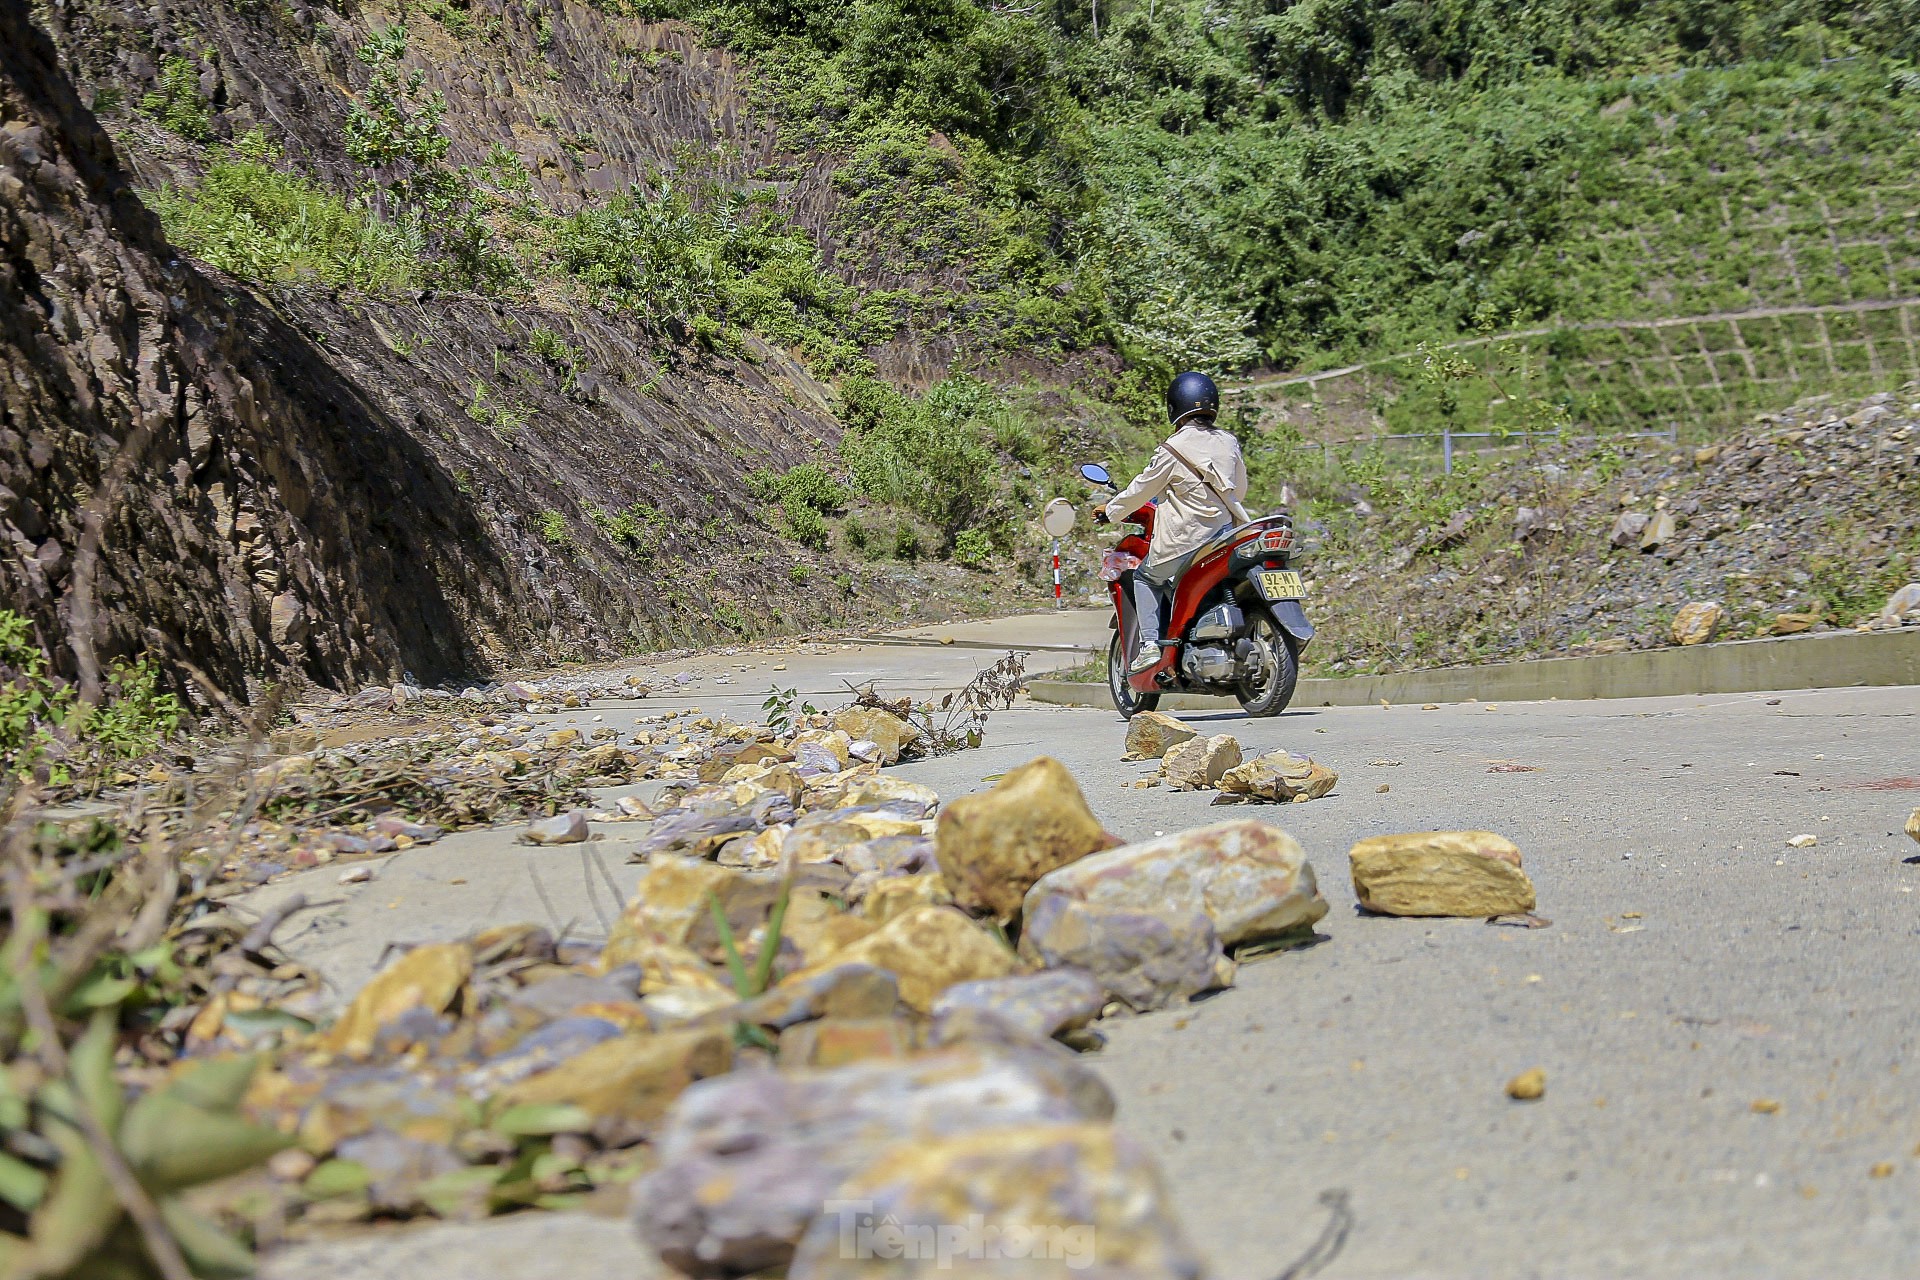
[
  {"x": 1084, "y": 1198},
  {"x": 1788, "y": 624},
  {"x": 629, "y": 1080},
  {"x": 1628, "y": 526},
  {"x": 1041, "y": 1004},
  {"x": 887, "y": 731},
  {"x": 747, "y": 1161},
  {"x": 1150, "y": 920},
  {"x": 671, "y": 897},
  {"x": 1528, "y": 1086},
  {"x": 818, "y": 928},
  {"x": 908, "y": 798},
  {"x": 562, "y": 828},
  {"x": 1440, "y": 873},
  {"x": 1805, "y": 840},
  {"x": 1200, "y": 762},
  {"x": 1660, "y": 528},
  {"x": 1279, "y": 777},
  {"x": 835, "y": 1042},
  {"x": 1151, "y": 734},
  {"x": 1696, "y": 623},
  {"x": 993, "y": 846},
  {"x": 432, "y": 978},
  {"x": 929, "y": 949},
  {"x": 896, "y": 895},
  {"x": 1913, "y": 824},
  {"x": 836, "y": 991},
  {"x": 1902, "y": 602}
]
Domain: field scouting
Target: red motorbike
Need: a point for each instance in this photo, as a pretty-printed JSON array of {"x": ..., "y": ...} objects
[{"x": 1235, "y": 624}]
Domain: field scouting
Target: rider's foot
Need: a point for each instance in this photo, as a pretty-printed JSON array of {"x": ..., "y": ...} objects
[{"x": 1144, "y": 660}]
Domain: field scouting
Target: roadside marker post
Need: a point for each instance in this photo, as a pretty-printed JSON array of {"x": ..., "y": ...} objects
[{"x": 1057, "y": 519}]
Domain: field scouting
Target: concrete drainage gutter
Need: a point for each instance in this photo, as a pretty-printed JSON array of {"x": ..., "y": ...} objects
[{"x": 1829, "y": 660}]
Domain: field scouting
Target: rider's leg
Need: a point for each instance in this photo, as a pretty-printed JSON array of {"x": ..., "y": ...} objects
[{"x": 1146, "y": 609}]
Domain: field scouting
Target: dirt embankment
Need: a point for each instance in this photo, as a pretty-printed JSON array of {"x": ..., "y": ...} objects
[
  {"x": 357, "y": 488},
  {"x": 1809, "y": 519}
]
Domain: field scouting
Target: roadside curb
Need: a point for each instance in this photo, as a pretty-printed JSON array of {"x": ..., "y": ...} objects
[{"x": 1829, "y": 660}]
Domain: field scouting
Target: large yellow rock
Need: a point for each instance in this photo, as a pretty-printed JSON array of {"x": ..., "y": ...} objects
[
  {"x": 896, "y": 895},
  {"x": 1199, "y": 763},
  {"x": 662, "y": 964},
  {"x": 1696, "y": 623},
  {"x": 631, "y": 1077},
  {"x": 993, "y": 846},
  {"x": 889, "y": 732},
  {"x": 671, "y": 897},
  {"x": 433, "y": 977},
  {"x": 1913, "y": 825},
  {"x": 1441, "y": 873},
  {"x": 1279, "y": 777},
  {"x": 1151, "y": 734},
  {"x": 818, "y": 928},
  {"x": 1081, "y": 1199},
  {"x": 928, "y": 949}
]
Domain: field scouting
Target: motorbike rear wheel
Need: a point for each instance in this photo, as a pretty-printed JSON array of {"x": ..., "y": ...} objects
[
  {"x": 1267, "y": 687},
  {"x": 1126, "y": 700}
]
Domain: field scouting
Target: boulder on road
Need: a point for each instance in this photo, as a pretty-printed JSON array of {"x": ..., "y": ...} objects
[
  {"x": 1913, "y": 824},
  {"x": 1441, "y": 873},
  {"x": 887, "y": 731},
  {"x": 1696, "y": 623},
  {"x": 562, "y": 828},
  {"x": 1279, "y": 777},
  {"x": 748, "y": 1160},
  {"x": 991, "y": 847},
  {"x": 1041, "y": 1004},
  {"x": 928, "y": 949},
  {"x": 1200, "y": 762},
  {"x": 1151, "y": 734},
  {"x": 1150, "y": 921},
  {"x": 631, "y": 1080},
  {"x": 1049, "y": 1201}
]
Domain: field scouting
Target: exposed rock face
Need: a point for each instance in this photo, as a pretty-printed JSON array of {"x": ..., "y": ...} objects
[{"x": 304, "y": 488}]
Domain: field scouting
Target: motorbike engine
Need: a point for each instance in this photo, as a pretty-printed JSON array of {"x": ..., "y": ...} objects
[{"x": 1209, "y": 655}]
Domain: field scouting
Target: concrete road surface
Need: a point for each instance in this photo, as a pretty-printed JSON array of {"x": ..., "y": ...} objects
[{"x": 1726, "y": 1023}]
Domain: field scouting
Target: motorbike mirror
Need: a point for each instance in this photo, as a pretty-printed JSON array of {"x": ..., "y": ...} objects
[{"x": 1096, "y": 473}]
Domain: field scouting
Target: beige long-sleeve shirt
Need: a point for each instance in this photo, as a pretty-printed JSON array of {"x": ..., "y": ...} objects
[{"x": 1189, "y": 513}]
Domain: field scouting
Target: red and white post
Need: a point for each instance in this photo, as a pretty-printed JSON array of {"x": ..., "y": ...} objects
[{"x": 1058, "y": 601}]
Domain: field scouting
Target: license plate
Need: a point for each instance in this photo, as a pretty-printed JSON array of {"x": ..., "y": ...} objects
[{"x": 1280, "y": 584}]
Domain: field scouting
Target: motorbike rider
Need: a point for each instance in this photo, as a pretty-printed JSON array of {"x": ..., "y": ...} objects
[{"x": 1200, "y": 479}]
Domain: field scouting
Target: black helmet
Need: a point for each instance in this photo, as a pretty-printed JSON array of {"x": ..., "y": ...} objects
[{"x": 1192, "y": 393}]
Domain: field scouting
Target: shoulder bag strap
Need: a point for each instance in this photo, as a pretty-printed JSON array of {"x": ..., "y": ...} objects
[{"x": 1238, "y": 512}]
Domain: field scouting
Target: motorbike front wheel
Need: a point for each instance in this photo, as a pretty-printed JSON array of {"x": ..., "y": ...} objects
[
  {"x": 1266, "y": 686},
  {"x": 1126, "y": 700}
]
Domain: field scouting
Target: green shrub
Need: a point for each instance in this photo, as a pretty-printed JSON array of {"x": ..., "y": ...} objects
[
  {"x": 973, "y": 548},
  {"x": 639, "y": 529},
  {"x": 249, "y": 218},
  {"x": 929, "y": 455},
  {"x": 805, "y": 525},
  {"x": 132, "y": 719},
  {"x": 553, "y": 527},
  {"x": 177, "y": 103}
]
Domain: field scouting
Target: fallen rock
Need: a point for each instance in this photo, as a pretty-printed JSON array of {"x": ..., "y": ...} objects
[
  {"x": 1151, "y": 734},
  {"x": 839, "y": 991},
  {"x": 1041, "y": 1004},
  {"x": 1913, "y": 824},
  {"x": 431, "y": 978},
  {"x": 928, "y": 949},
  {"x": 628, "y": 1081},
  {"x": 1627, "y": 528},
  {"x": 887, "y": 731},
  {"x": 671, "y": 897},
  {"x": 991, "y": 847},
  {"x": 837, "y": 1042},
  {"x": 1696, "y": 623},
  {"x": 1279, "y": 777},
  {"x": 1441, "y": 873},
  {"x": 1199, "y": 762},
  {"x": 1044, "y": 1201},
  {"x": 1150, "y": 921},
  {"x": 896, "y": 895},
  {"x": 747, "y": 1161},
  {"x": 1528, "y": 1086},
  {"x": 1659, "y": 528},
  {"x": 563, "y": 828},
  {"x": 1902, "y": 602},
  {"x": 1788, "y": 624}
]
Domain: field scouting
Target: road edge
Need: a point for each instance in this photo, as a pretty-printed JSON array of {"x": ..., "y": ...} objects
[{"x": 1827, "y": 660}]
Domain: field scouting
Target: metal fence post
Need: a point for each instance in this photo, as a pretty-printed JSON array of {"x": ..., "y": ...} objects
[{"x": 1446, "y": 449}]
